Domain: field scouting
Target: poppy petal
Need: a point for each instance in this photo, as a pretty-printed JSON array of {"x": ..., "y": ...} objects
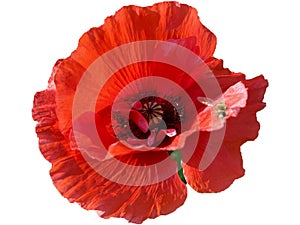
[
  {"x": 162, "y": 21},
  {"x": 226, "y": 167},
  {"x": 51, "y": 141},
  {"x": 78, "y": 182},
  {"x": 66, "y": 78},
  {"x": 169, "y": 21},
  {"x": 245, "y": 126}
]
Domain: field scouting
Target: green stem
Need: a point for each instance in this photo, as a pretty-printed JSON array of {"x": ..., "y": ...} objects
[{"x": 176, "y": 155}]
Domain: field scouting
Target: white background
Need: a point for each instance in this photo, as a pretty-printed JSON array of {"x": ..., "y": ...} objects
[{"x": 254, "y": 37}]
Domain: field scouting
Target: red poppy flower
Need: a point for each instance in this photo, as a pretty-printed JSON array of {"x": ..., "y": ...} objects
[{"x": 140, "y": 109}]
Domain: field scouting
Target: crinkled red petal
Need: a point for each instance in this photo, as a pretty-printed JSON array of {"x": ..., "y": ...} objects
[
  {"x": 79, "y": 182},
  {"x": 227, "y": 166},
  {"x": 162, "y": 21},
  {"x": 51, "y": 141}
]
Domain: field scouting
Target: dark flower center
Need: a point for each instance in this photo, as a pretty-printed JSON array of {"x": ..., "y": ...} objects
[{"x": 153, "y": 121}]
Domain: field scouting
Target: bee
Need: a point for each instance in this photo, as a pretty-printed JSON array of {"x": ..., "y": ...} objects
[
  {"x": 216, "y": 112},
  {"x": 220, "y": 108}
]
